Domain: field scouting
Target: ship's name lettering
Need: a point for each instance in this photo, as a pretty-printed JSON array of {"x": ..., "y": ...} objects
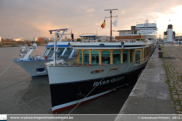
[
  {"x": 107, "y": 81},
  {"x": 116, "y": 79},
  {"x": 101, "y": 83}
]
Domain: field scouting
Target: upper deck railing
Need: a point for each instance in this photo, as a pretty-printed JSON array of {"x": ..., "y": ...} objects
[
  {"x": 150, "y": 24},
  {"x": 35, "y": 58},
  {"x": 115, "y": 40}
]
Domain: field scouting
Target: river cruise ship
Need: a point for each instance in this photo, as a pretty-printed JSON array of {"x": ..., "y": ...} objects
[
  {"x": 100, "y": 67},
  {"x": 34, "y": 65}
]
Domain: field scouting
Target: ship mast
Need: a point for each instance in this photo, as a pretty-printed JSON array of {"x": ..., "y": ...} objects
[
  {"x": 57, "y": 37},
  {"x": 110, "y": 21}
]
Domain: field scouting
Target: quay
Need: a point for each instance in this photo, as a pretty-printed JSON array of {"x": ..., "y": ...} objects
[{"x": 159, "y": 87}]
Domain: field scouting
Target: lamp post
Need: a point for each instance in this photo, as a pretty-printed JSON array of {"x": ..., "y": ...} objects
[
  {"x": 178, "y": 39},
  {"x": 160, "y": 39}
]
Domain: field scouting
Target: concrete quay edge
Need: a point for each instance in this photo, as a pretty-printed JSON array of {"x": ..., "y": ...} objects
[{"x": 151, "y": 93}]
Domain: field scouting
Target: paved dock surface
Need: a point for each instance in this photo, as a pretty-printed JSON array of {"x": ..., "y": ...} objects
[
  {"x": 151, "y": 94},
  {"x": 173, "y": 66}
]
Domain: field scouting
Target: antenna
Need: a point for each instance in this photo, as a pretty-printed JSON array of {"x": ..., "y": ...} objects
[
  {"x": 110, "y": 9},
  {"x": 110, "y": 21},
  {"x": 147, "y": 21},
  {"x": 169, "y": 21}
]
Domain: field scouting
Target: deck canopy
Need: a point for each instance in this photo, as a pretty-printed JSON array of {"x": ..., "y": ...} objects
[{"x": 92, "y": 48}]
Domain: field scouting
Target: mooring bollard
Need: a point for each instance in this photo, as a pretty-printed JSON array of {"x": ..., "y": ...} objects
[
  {"x": 160, "y": 54},
  {"x": 159, "y": 47}
]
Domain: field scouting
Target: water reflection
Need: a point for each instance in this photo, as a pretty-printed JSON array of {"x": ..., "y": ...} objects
[{"x": 35, "y": 97}]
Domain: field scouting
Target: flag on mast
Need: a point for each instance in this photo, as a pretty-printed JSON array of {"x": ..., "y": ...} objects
[
  {"x": 103, "y": 24},
  {"x": 115, "y": 22}
]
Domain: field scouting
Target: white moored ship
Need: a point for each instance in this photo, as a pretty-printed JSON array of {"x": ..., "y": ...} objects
[
  {"x": 99, "y": 68},
  {"x": 147, "y": 30},
  {"x": 34, "y": 65},
  {"x": 140, "y": 31}
]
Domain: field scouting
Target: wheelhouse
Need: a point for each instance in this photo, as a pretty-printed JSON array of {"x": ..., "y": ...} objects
[
  {"x": 89, "y": 38},
  {"x": 63, "y": 51}
]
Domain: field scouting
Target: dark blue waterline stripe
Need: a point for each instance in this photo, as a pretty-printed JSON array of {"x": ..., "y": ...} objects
[{"x": 40, "y": 75}]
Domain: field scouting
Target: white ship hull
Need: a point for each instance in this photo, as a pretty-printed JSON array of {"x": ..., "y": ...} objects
[
  {"x": 55, "y": 73},
  {"x": 34, "y": 68}
]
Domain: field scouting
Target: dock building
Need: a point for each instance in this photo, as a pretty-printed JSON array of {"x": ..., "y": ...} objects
[
  {"x": 178, "y": 39},
  {"x": 18, "y": 39}
]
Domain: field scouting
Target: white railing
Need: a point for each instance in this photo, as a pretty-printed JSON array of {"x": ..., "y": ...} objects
[
  {"x": 116, "y": 40},
  {"x": 37, "y": 57}
]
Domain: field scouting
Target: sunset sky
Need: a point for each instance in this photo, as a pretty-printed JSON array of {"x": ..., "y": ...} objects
[{"x": 33, "y": 18}]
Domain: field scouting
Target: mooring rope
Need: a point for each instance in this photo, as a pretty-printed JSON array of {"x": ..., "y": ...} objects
[
  {"x": 6, "y": 69},
  {"x": 87, "y": 94}
]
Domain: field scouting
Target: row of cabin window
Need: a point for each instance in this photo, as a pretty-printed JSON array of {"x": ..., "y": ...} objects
[
  {"x": 105, "y": 57},
  {"x": 49, "y": 52}
]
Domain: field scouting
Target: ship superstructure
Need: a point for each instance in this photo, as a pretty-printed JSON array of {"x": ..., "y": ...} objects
[{"x": 147, "y": 30}]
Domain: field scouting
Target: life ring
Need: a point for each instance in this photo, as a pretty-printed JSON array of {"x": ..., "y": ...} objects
[{"x": 122, "y": 43}]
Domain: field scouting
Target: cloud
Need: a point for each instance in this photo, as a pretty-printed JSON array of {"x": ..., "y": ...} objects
[
  {"x": 98, "y": 23},
  {"x": 89, "y": 10},
  {"x": 34, "y": 18},
  {"x": 122, "y": 12}
]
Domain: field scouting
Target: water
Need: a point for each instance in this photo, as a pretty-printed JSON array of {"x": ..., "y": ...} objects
[{"x": 22, "y": 94}]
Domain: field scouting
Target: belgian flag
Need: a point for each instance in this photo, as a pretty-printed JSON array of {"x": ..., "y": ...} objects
[{"x": 103, "y": 24}]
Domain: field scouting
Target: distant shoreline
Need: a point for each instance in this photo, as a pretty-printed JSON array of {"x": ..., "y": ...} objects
[{"x": 3, "y": 46}]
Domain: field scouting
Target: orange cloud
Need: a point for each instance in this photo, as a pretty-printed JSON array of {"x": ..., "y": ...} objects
[{"x": 89, "y": 10}]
